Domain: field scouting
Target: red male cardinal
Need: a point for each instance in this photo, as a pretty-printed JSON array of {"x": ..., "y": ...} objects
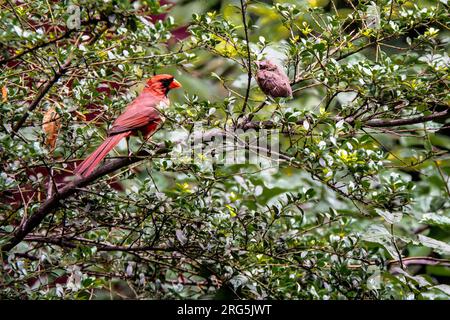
[{"x": 142, "y": 115}]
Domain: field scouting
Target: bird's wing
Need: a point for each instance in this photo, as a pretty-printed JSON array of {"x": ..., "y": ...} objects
[
  {"x": 139, "y": 113},
  {"x": 274, "y": 83},
  {"x": 267, "y": 80}
]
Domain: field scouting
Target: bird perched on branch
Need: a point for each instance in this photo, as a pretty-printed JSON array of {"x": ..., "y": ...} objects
[
  {"x": 272, "y": 80},
  {"x": 143, "y": 115}
]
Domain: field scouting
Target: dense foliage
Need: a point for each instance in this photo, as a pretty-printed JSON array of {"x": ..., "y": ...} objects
[{"x": 357, "y": 205}]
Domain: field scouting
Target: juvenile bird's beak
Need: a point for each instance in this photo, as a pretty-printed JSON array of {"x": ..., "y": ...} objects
[{"x": 175, "y": 84}]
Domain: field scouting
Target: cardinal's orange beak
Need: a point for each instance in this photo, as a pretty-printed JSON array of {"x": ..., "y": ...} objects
[{"x": 175, "y": 84}]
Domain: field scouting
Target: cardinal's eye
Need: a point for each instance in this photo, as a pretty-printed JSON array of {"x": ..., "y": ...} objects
[{"x": 166, "y": 82}]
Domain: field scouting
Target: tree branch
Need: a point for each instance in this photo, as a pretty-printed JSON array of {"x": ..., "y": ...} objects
[
  {"x": 62, "y": 70},
  {"x": 402, "y": 122},
  {"x": 422, "y": 261},
  {"x": 54, "y": 202},
  {"x": 73, "y": 187},
  {"x": 52, "y": 41},
  {"x": 70, "y": 189},
  {"x": 374, "y": 123},
  {"x": 41, "y": 45},
  {"x": 58, "y": 74},
  {"x": 72, "y": 243}
]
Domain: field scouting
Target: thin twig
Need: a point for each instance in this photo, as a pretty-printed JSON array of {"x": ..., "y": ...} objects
[
  {"x": 372, "y": 123},
  {"x": 399, "y": 254},
  {"x": 62, "y": 70},
  {"x": 249, "y": 59},
  {"x": 444, "y": 181},
  {"x": 422, "y": 261},
  {"x": 41, "y": 45}
]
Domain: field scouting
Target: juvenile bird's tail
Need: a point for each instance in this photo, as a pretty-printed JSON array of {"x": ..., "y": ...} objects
[{"x": 88, "y": 165}]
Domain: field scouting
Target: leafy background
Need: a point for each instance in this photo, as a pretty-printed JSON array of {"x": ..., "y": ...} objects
[{"x": 357, "y": 208}]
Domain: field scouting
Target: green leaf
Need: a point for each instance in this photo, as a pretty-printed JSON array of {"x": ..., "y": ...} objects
[
  {"x": 438, "y": 246},
  {"x": 390, "y": 217},
  {"x": 444, "y": 288},
  {"x": 379, "y": 234},
  {"x": 434, "y": 219}
]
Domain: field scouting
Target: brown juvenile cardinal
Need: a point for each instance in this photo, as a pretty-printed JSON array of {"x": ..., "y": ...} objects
[
  {"x": 142, "y": 115},
  {"x": 272, "y": 80}
]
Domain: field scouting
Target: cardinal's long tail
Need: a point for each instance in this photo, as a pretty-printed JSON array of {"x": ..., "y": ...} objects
[{"x": 88, "y": 165}]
